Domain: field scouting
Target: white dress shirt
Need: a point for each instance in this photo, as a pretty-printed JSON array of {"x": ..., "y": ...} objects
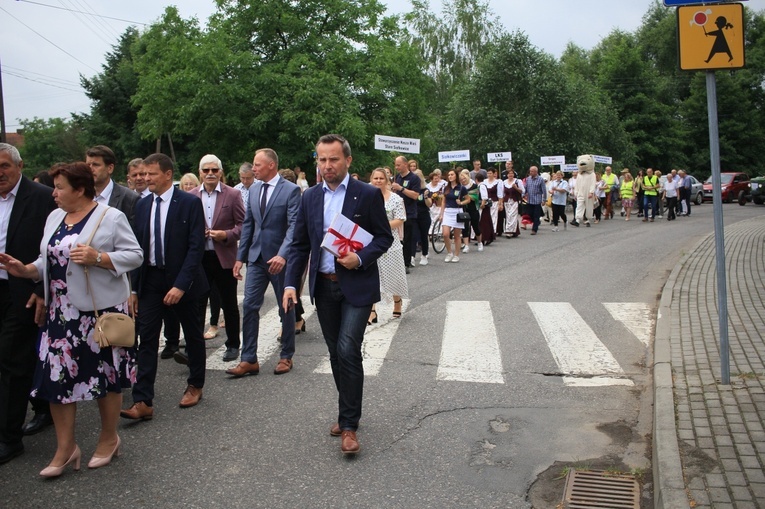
[
  {"x": 166, "y": 197},
  {"x": 6, "y": 206}
]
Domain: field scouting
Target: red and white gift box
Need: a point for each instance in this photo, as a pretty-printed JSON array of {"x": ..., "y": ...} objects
[{"x": 344, "y": 236}]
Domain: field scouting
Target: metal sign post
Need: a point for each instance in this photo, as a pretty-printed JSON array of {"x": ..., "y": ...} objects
[
  {"x": 722, "y": 290},
  {"x": 712, "y": 37}
]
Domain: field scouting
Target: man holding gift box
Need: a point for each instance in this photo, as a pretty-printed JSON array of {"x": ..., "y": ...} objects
[{"x": 343, "y": 288}]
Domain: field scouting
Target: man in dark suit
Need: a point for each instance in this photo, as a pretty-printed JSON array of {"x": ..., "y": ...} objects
[
  {"x": 102, "y": 160},
  {"x": 344, "y": 288},
  {"x": 24, "y": 208},
  {"x": 266, "y": 237},
  {"x": 170, "y": 226},
  {"x": 224, "y": 213}
]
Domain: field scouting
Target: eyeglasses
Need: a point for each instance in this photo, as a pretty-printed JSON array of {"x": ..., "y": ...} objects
[{"x": 208, "y": 170}]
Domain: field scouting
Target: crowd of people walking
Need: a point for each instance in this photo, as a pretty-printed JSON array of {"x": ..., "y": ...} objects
[{"x": 167, "y": 250}]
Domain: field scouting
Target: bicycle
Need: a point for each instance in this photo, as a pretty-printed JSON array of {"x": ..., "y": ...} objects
[{"x": 437, "y": 237}]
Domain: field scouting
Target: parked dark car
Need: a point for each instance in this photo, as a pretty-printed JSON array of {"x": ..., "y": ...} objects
[
  {"x": 756, "y": 191},
  {"x": 734, "y": 185}
]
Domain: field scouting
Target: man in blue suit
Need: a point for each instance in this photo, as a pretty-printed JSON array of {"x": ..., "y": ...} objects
[
  {"x": 267, "y": 231},
  {"x": 344, "y": 288},
  {"x": 170, "y": 226}
]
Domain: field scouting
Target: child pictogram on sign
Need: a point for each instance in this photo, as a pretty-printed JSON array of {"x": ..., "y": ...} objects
[{"x": 720, "y": 44}]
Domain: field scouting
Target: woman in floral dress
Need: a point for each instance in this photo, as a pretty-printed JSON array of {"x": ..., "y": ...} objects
[
  {"x": 71, "y": 365},
  {"x": 391, "y": 264}
]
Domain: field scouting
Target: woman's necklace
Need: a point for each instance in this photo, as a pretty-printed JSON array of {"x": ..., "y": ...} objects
[{"x": 69, "y": 226}]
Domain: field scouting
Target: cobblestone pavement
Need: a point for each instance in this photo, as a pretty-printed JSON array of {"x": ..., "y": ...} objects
[{"x": 719, "y": 428}]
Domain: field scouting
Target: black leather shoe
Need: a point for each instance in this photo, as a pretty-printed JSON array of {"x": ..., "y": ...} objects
[
  {"x": 38, "y": 423},
  {"x": 10, "y": 451},
  {"x": 168, "y": 351},
  {"x": 231, "y": 354},
  {"x": 181, "y": 357}
]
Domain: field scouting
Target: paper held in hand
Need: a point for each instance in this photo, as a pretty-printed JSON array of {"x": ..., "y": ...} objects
[{"x": 344, "y": 236}]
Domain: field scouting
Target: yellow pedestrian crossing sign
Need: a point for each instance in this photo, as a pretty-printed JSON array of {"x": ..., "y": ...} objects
[{"x": 711, "y": 36}]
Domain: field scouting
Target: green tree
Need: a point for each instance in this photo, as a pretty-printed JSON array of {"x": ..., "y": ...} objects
[
  {"x": 112, "y": 120},
  {"x": 520, "y": 98},
  {"x": 450, "y": 43},
  {"x": 51, "y": 141},
  {"x": 280, "y": 74},
  {"x": 634, "y": 88}
]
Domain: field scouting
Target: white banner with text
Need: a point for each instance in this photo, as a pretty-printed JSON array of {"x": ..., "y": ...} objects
[{"x": 396, "y": 144}]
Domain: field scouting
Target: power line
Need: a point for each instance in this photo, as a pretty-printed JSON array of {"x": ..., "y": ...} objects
[
  {"x": 93, "y": 28},
  {"x": 115, "y": 33},
  {"x": 48, "y": 40},
  {"x": 81, "y": 12},
  {"x": 52, "y": 78},
  {"x": 11, "y": 73}
]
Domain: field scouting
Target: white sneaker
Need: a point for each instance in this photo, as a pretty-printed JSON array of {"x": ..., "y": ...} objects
[
  {"x": 555, "y": 229},
  {"x": 455, "y": 259},
  {"x": 480, "y": 247},
  {"x": 423, "y": 260},
  {"x": 465, "y": 248},
  {"x": 448, "y": 258}
]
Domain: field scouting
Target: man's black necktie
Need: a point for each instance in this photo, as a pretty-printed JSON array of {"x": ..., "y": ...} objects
[
  {"x": 263, "y": 200},
  {"x": 159, "y": 261}
]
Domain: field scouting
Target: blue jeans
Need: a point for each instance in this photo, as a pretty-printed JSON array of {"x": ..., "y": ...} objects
[
  {"x": 255, "y": 286},
  {"x": 343, "y": 326},
  {"x": 649, "y": 200}
]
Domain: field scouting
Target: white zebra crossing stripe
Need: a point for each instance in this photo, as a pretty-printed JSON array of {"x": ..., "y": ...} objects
[
  {"x": 470, "y": 348},
  {"x": 377, "y": 341},
  {"x": 575, "y": 347},
  {"x": 270, "y": 329},
  {"x": 636, "y": 317}
]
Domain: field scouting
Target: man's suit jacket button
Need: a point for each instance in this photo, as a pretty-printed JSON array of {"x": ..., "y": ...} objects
[{"x": 69, "y": 273}]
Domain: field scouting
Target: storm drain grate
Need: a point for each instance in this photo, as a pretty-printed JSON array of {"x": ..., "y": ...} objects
[{"x": 587, "y": 489}]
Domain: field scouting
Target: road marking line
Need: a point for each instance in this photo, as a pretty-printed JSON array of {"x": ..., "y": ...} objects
[
  {"x": 377, "y": 340},
  {"x": 575, "y": 347},
  {"x": 270, "y": 328},
  {"x": 470, "y": 347},
  {"x": 636, "y": 317}
]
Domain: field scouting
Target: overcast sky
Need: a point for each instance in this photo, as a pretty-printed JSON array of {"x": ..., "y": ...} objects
[{"x": 45, "y": 46}]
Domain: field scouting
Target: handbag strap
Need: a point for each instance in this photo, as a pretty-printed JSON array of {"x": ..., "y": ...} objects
[{"x": 87, "y": 278}]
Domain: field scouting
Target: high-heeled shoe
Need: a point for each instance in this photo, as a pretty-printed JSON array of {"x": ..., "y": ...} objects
[
  {"x": 98, "y": 462},
  {"x": 373, "y": 320},
  {"x": 50, "y": 472},
  {"x": 300, "y": 328},
  {"x": 397, "y": 314}
]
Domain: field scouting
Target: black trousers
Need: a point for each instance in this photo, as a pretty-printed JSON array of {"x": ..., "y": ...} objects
[
  {"x": 408, "y": 241},
  {"x": 559, "y": 211},
  {"x": 18, "y": 341},
  {"x": 671, "y": 205},
  {"x": 423, "y": 231},
  {"x": 214, "y": 306},
  {"x": 224, "y": 282},
  {"x": 191, "y": 315}
]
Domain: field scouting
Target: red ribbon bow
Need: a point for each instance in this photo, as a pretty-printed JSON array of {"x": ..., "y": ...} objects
[{"x": 347, "y": 245}]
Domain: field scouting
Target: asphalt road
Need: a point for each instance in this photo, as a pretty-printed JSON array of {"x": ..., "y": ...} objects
[{"x": 426, "y": 441}]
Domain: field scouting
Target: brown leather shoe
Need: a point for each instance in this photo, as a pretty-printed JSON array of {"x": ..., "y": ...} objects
[
  {"x": 191, "y": 396},
  {"x": 244, "y": 368},
  {"x": 284, "y": 366},
  {"x": 335, "y": 430},
  {"x": 349, "y": 443},
  {"x": 139, "y": 410}
]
